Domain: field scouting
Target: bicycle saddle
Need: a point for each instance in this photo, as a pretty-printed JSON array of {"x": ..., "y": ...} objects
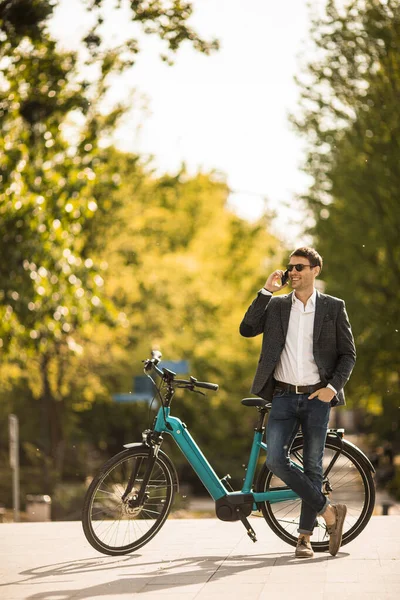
[{"x": 258, "y": 402}]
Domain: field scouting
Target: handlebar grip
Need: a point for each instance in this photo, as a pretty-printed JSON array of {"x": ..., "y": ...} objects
[{"x": 207, "y": 386}]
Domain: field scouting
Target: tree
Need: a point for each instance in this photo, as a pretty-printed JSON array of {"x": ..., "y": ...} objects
[
  {"x": 167, "y": 20},
  {"x": 50, "y": 288},
  {"x": 350, "y": 116},
  {"x": 102, "y": 260},
  {"x": 52, "y": 175},
  {"x": 182, "y": 270}
]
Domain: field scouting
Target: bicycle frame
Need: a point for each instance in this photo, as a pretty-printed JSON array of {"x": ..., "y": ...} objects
[
  {"x": 131, "y": 491},
  {"x": 165, "y": 423}
]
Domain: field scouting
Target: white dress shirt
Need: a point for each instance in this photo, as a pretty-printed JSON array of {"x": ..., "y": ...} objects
[{"x": 296, "y": 364}]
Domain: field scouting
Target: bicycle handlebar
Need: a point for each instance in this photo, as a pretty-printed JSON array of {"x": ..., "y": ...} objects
[
  {"x": 166, "y": 374},
  {"x": 204, "y": 384}
]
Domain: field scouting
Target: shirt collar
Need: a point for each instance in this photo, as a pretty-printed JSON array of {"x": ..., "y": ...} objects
[{"x": 310, "y": 302}]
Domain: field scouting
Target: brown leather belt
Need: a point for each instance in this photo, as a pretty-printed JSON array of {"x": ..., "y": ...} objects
[{"x": 298, "y": 389}]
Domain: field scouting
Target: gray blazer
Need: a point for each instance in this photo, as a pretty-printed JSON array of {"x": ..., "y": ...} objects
[{"x": 333, "y": 343}]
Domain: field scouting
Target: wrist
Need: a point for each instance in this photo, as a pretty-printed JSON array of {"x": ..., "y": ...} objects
[{"x": 267, "y": 290}]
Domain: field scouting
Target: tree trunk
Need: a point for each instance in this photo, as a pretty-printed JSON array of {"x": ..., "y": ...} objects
[{"x": 53, "y": 435}]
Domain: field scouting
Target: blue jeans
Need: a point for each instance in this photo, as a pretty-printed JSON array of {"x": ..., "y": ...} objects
[{"x": 288, "y": 412}]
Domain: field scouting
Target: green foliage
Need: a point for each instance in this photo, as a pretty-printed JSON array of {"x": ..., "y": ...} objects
[
  {"x": 182, "y": 269},
  {"x": 350, "y": 115},
  {"x": 56, "y": 202},
  {"x": 167, "y": 20},
  {"x": 102, "y": 260},
  {"x": 20, "y": 18},
  {"x": 394, "y": 485},
  {"x": 49, "y": 286},
  {"x": 47, "y": 198}
]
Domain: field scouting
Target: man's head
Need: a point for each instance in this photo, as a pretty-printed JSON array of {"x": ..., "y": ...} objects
[{"x": 308, "y": 265}]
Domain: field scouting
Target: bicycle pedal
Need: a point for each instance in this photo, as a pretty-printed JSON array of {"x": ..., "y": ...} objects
[
  {"x": 250, "y": 531},
  {"x": 252, "y": 535}
]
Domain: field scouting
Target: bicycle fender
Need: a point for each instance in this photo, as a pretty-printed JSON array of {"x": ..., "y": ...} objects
[
  {"x": 345, "y": 442},
  {"x": 365, "y": 457},
  {"x": 165, "y": 457},
  {"x": 368, "y": 463},
  {"x": 136, "y": 444}
]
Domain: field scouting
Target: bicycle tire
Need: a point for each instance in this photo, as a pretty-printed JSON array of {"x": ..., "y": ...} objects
[
  {"x": 352, "y": 484},
  {"x": 111, "y": 525}
]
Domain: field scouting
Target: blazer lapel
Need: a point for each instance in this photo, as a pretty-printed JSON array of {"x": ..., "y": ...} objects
[
  {"x": 321, "y": 307},
  {"x": 286, "y": 306}
]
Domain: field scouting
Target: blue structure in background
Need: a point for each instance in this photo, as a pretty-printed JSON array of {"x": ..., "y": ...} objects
[
  {"x": 178, "y": 366},
  {"x": 143, "y": 388},
  {"x": 143, "y": 391}
]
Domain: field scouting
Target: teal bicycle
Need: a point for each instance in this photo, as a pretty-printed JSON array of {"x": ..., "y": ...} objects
[{"x": 130, "y": 498}]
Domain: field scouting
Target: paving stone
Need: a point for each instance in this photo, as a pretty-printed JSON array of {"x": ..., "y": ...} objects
[{"x": 202, "y": 559}]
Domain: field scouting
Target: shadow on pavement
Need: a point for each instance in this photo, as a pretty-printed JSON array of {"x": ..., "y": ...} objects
[{"x": 161, "y": 574}]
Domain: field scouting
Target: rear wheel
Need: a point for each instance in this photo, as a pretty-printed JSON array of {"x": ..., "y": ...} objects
[
  {"x": 112, "y": 521},
  {"x": 347, "y": 480}
]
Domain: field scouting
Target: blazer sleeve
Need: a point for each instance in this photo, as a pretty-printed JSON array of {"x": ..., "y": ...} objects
[
  {"x": 254, "y": 320},
  {"x": 346, "y": 350}
]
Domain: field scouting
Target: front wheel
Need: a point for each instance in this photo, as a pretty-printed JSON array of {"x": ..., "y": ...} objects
[
  {"x": 347, "y": 480},
  {"x": 112, "y": 521}
]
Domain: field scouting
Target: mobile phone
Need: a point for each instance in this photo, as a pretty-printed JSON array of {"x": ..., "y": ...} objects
[{"x": 285, "y": 277}]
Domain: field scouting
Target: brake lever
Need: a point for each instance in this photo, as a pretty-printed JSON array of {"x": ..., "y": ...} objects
[
  {"x": 198, "y": 392},
  {"x": 190, "y": 388}
]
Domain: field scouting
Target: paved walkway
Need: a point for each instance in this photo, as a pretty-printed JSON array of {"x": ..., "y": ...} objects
[{"x": 203, "y": 559}]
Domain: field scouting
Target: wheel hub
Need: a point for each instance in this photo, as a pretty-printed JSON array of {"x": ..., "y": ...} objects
[{"x": 130, "y": 505}]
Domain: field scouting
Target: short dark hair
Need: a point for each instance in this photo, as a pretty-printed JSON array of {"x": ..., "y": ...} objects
[{"x": 310, "y": 253}]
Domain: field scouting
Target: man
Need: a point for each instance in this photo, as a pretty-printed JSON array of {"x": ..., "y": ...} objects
[{"x": 307, "y": 357}]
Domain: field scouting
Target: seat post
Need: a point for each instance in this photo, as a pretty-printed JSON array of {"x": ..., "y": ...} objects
[{"x": 261, "y": 420}]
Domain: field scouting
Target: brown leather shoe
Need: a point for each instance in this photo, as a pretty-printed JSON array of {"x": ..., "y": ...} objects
[
  {"x": 303, "y": 548},
  {"x": 336, "y": 530}
]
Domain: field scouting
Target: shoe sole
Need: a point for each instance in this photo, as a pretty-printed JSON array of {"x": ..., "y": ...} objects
[{"x": 341, "y": 515}]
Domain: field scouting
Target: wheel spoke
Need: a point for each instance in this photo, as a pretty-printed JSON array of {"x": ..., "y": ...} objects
[{"x": 351, "y": 484}]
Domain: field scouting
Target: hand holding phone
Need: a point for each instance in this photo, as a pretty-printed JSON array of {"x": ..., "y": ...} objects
[{"x": 276, "y": 281}]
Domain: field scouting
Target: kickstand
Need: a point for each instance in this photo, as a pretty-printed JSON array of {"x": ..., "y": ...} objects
[{"x": 250, "y": 531}]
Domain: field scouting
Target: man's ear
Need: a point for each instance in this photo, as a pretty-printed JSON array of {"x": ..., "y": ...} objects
[{"x": 317, "y": 271}]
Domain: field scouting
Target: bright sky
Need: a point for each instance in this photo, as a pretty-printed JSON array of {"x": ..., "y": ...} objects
[{"x": 228, "y": 111}]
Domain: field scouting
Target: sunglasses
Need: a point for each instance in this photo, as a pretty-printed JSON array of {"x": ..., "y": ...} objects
[{"x": 299, "y": 267}]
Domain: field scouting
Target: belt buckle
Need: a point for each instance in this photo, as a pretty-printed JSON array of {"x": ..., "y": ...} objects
[{"x": 297, "y": 392}]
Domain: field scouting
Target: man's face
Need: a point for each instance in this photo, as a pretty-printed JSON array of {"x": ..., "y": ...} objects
[{"x": 304, "y": 279}]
